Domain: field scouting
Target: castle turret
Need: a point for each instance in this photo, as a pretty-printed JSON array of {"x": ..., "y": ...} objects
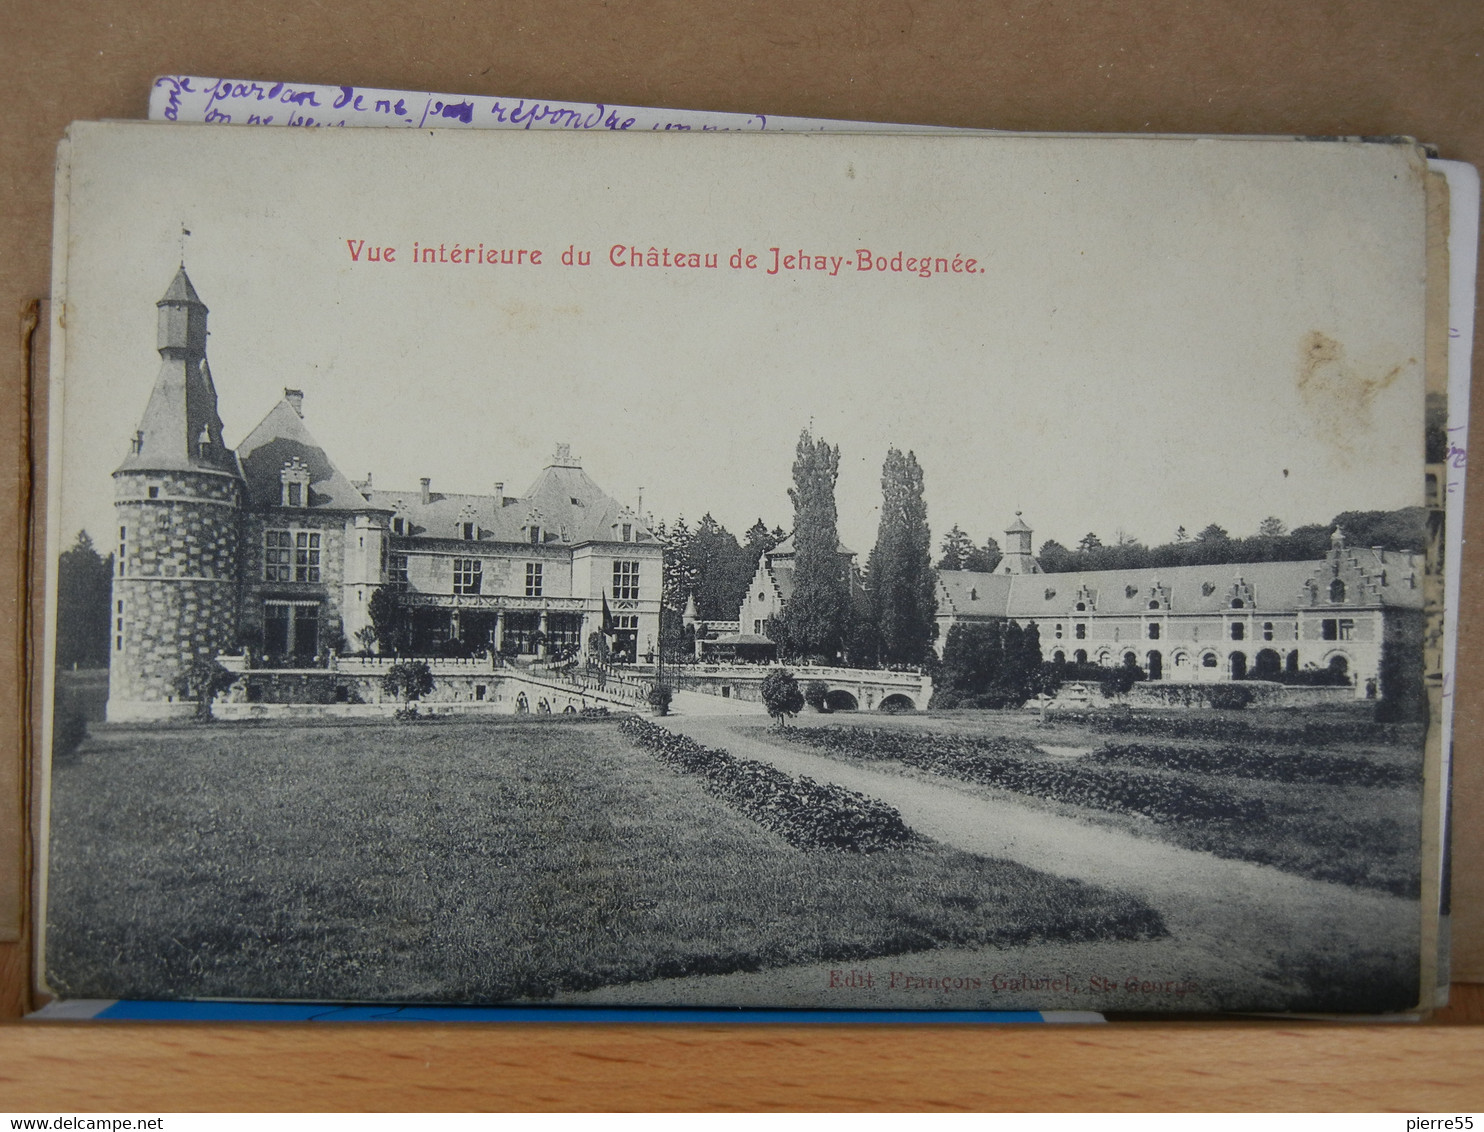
[
  {"x": 1018, "y": 558},
  {"x": 177, "y": 501}
]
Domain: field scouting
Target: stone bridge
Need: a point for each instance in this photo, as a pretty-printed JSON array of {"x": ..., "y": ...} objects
[{"x": 849, "y": 689}]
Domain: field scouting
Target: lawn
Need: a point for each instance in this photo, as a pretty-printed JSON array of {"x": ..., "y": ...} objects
[
  {"x": 474, "y": 860},
  {"x": 1330, "y": 797}
]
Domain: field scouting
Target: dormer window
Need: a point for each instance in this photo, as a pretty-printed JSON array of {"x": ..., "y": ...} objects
[
  {"x": 294, "y": 476},
  {"x": 535, "y": 535},
  {"x": 1081, "y": 607},
  {"x": 1238, "y": 603},
  {"x": 1337, "y": 591},
  {"x": 1154, "y": 605},
  {"x": 628, "y": 532},
  {"x": 399, "y": 526},
  {"x": 466, "y": 531}
]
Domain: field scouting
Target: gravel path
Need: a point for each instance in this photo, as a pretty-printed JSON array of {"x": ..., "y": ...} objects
[{"x": 1245, "y": 934}]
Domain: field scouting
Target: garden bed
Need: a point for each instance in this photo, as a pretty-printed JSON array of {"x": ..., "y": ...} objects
[
  {"x": 1334, "y": 817},
  {"x": 805, "y": 813}
]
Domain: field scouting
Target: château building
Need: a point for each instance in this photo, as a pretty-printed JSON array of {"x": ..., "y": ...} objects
[
  {"x": 269, "y": 549},
  {"x": 1202, "y": 623}
]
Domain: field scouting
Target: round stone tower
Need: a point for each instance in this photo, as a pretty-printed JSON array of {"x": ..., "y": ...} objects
[{"x": 177, "y": 501}]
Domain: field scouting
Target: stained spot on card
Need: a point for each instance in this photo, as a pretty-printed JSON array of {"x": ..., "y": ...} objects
[
  {"x": 1339, "y": 392},
  {"x": 533, "y": 316},
  {"x": 850, "y": 170}
]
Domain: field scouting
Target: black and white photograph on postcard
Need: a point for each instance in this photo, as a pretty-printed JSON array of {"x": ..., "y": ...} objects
[{"x": 784, "y": 571}]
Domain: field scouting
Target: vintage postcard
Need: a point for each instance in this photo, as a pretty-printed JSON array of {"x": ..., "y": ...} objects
[{"x": 858, "y": 572}]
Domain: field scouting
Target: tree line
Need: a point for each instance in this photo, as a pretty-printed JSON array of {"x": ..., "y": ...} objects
[{"x": 1400, "y": 530}]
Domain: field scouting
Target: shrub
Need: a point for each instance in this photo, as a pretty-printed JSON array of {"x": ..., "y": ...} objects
[
  {"x": 781, "y": 695},
  {"x": 201, "y": 681},
  {"x": 387, "y": 620},
  {"x": 69, "y": 729},
  {"x": 1118, "y": 681},
  {"x": 659, "y": 698},
  {"x": 814, "y": 695},
  {"x": 1231, "y": 696},
  {"x": 408, "y": 680},
  {"x": 366, "y": 639}
]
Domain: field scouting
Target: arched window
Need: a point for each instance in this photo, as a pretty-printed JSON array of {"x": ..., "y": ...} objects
[
  {"x": 1058, "y": 630},
  {"x": 1267, "y": 630},
  {"x": 1154, "y": 605},
  {"x": 1082, "y": 607},
  {"x": 1239, "y": 631},
  {"x": 1337, "y": 590},
  {"x": 1238, "y": 603},
  {"x": 1208, "y": 660},
  {"x": 1153, "y": 630},
  {"x": 1080, "y": 656},
  {"x": 1081, "y": 632},
  {"x": 1059, "y": 657}
]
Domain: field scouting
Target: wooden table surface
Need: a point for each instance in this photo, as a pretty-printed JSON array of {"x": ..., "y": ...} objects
[{"x": 1224, "y": 1066}]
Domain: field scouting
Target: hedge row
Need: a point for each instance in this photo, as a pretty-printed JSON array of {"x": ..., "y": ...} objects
[
  {"x": 1245, "y": 762},
  {"x": 995, "y": 762},
  {"x": 805, "y": 813},
  {"x": 1218, "y": 728}
]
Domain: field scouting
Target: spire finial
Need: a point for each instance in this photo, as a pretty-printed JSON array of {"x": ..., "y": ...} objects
[{"x": 184, "y": 232}]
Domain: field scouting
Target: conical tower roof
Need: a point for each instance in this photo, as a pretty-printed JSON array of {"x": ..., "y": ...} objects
[
  {"x": 181, "y": 429},
  {"x": 180, "y": 290}
]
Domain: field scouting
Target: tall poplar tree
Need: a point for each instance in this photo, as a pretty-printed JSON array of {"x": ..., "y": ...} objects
[
  {"x": 903, "y": 586},
  {"x": 817, "y": 617}
]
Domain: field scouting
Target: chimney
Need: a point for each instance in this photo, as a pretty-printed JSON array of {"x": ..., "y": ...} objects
[
  {"x": 427, "y": 489},
  {"x": 499, "y": 493},
  {"x": 295, "y": 397}
]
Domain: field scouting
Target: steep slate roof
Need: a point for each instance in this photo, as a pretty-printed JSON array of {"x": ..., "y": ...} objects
[
  {"x": 280, "y": 437},
  {"x": 969, "y": 593},
  {"x": 563, "y": 501},
  {"x": 786, "y": 547},
  {"x": 182, "y": 407},
  {"x": 1274, "y": 585},
  {"x": 782, "y": 574}
]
